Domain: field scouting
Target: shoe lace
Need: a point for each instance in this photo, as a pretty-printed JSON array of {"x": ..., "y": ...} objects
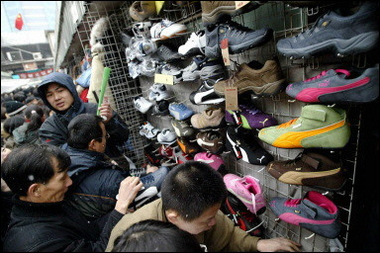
[
  {"x": 323, "y": 73},
  {"x": 250, "y": 110},
  {"x": 287, "y": 124},
  {"x": 295, "y": 160},
  {"x": 292, "y": 202},
  {"x": 240, "y": 29},
  {"x": 314, "y": 27}
]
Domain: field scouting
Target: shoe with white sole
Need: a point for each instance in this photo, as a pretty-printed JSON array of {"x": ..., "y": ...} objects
[
  {"x": 158, "y": 92},
  {"x": 148, "y": 130},
  {"x": 205, "y": 94},
  {"x": 166, "y": 29},
  {"x": 204, "y": 68},
  {"x": 194, "y": 45},
  {"x": 141, "y": 104},
  {"x": 167, "y": 137},
  {"x": 180, "y": 111}
]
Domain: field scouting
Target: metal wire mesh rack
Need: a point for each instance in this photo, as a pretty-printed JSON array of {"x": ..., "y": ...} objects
[{"x": 286, "y": 21}]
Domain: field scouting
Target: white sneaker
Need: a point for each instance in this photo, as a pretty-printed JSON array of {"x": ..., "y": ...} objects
[
  {"x": 142, "y": 104},
  {"x": 166, "y": 29},
  {"x": 196, "y": 44},
  {"x": 158, "y": 92},
  {"x": 168, "y": 69},
  {"x": 167, "y": 137},
  {"x": 148, "y": 130}
]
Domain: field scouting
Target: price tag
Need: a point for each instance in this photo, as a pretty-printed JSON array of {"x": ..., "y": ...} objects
[
  {"x": 239, "y": 4},
  {"x": 225, "y": 52},
  {"x": 165, "y": 79},
  {"x": 231, "y": 95}
]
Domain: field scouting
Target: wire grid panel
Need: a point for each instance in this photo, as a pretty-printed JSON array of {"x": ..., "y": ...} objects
[{"x": 122, "y": 86}]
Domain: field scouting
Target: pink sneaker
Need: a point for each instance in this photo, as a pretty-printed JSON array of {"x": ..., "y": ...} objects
[
  {"x": 248, "y": 190},
  {"x": 215, "y": 161}
]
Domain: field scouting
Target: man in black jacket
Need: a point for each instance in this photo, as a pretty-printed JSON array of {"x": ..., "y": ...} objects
[
  {"x": 41, "y": 220},
  {"x": 58, "y": 92},
  {"x": 96, "y": 177}
]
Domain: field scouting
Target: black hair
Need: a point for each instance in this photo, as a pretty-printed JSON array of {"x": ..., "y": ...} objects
[
  {"x": 12, "y": 123},
  {"x": 191, "y": 188},
  {"x": 34, "y": 114},
  {"x": 19, "y": 96},
  {"x": 156, "y": 236},
  {"x": 82, "y": 129},
  {"x": 32, "y": 163}
]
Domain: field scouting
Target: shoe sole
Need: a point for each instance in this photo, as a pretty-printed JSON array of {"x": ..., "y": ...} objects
[
  {"x": 197, "y": 98},
  {"x": 220, "y": 12},
  {"x": 176, "y": 34},
  {"x": 268, "y": 89},
  {"x": 358, "y": 44}
]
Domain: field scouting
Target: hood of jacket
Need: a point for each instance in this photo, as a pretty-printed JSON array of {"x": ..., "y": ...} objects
[{"x": 66, "y": 81}]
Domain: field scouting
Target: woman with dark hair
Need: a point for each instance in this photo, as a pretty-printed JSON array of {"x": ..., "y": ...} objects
[
  {"x": 28, "y": 132},
  {"x": 9, "y": 125}
]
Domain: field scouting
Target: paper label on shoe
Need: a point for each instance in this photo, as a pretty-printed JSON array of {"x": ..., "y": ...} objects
[
  {"x": 225, "y": 52},
  {"x": 165, "y": 79},
  {"x": 239, "y": 4},
  {"x": 231, "y": 95}
]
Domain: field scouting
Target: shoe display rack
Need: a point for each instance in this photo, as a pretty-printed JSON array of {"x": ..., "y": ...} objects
[{"x": 286, "y": 21}]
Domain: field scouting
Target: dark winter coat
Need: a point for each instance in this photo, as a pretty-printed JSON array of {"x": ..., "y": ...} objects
[
  {"x": 56, "y": 227},
  {"x": 54, "y": 129},
  {"x": 21, "y": 136},
  {"x": 96, "y": 182}
]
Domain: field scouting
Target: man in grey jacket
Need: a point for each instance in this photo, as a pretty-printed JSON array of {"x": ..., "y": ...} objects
[{"x": 192, "y": 194}]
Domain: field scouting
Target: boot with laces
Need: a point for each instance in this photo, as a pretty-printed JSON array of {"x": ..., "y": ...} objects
[
  {"x": 314, "y": 212},
  {"x": 240, "y": 38},
  {"x": 266, "y": 81}
]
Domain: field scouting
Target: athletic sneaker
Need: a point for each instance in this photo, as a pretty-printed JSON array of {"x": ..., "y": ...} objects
[
  {"x": 167, "y": 54},
  {"x": 266, "y": 81},
  {"x": 212, "y": 117},
  {"x": 167, "y": 137},
  {"x": 180, "y": 111},
  {"x": 181, "y": 157},
  {"x": 248, "y": 190},
  {"x": 158, "y": 92},
  {"x": 332, "y": 32},
  {"x": 218, "y": 11},
  {"x": 182, "y": 128},
  {"x": 188, "y": 146},
  {"x": 211, "y": 141},
  {"x": 309, "y": 169},
  {"x": 205, "y": 94},
  {"x": 148, "y": 130},
  {"x": 161, "y": 108},
  {"x": 238, "y": 213},
  {"x": 169, "y": 69},
  {"x": 240, "y": 38},
  {"x": 195, "y": 44},
  {"x": 314, "y": 212},
  {"x": 204, "y": 68},
  {"x": 166, "y": 29},
  {"x": 215, "y": 161},
  {"x": 250, "y": 117},
  {"x": 166, "y": 151},
  {"x": 244, "y": 146},
  {"x": 319, "y": 126},
  {"x": 141, "y": 104},
  {"x": 335, "y": 86}
]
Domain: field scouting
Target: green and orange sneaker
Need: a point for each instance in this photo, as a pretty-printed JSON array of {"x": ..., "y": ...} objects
[{"x": 318, "y": 126}]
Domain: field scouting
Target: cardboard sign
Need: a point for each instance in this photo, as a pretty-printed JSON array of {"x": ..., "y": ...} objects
[
  {"x": 239, "y": 4},
  {"x": 165, "y": 79},
  {"x": 225, "y": 52},
  {"x": 231, "y": 95}
]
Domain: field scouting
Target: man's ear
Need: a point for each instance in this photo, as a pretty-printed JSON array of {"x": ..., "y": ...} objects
[
  {"x": 91, "y": 145},
  {"x": 172, "y": 216},
  {"x": 34, "y": 190}
]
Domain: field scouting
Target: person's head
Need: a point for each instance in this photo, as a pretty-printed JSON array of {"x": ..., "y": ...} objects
[
  {"x": 14, "y": 108},
  {"x": 12, "y": 123},
  {"x": 37, "y": 172},
  {"x": 57, "y": 91},
  {"x": 192, "y": 194},
  {"x": 156, "y": 236},
  {"x": 31, "y": 100},
  {"x": 19, "y": 96},
  {"x": 34, "y": 114},
  {"x": 87, "y": 131}
]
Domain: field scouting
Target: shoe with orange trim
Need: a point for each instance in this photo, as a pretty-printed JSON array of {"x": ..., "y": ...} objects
[{"x": 318, "y": 126}]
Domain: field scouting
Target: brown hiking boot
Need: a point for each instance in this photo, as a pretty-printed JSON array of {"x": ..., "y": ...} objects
[
  {"x": 212, "y": 117},
  {"x": 263, "y": 82},
  {"x": 218, "y": 11},
  {"x": 312, "y": 169}
]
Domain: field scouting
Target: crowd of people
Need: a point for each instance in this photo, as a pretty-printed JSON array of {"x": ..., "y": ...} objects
[{"x": 66, "y": 184}]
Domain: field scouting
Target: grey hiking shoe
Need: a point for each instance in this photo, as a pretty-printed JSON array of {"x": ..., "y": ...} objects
[
  {"x": 240, "y": 38},
  {"x": 204, "y": 68},
  {"x": 348, "y": 35}
]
